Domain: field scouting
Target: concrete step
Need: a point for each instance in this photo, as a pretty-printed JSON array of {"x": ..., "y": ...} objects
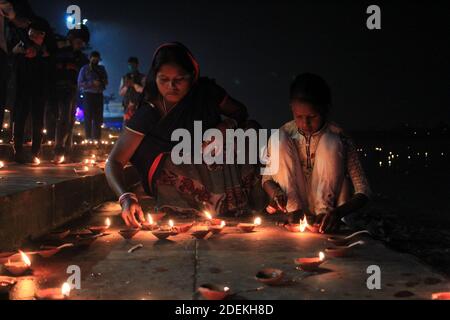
[{"x": 36, "y": 200}]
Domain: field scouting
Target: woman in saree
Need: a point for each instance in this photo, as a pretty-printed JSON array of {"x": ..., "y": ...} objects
[
  {"x": 175, "y": 97},
  {"x": 320, "y": 174}
]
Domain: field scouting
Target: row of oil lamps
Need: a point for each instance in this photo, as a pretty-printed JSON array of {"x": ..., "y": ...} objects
[{"x": 342, "y": 246}]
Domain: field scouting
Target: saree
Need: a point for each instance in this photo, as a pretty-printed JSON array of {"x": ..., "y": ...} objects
[{"x": 189, "y": 188}]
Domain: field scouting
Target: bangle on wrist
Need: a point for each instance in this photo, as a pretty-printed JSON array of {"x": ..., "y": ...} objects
[{"x": 127, "y": 196}]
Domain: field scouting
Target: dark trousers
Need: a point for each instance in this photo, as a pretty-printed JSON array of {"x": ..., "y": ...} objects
[
  {"x": 66, "y": 108},
  {"x": 3, "y": 83},
  {"x": 29, "y": 102},
  {"x": 93, "y": 115}
]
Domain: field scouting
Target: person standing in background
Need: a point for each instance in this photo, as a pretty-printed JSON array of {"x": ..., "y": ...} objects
[
  {"x": 92, "y": 82},
  {"x": 6, "y": 12},
  {"x": 32, "y": 60},
  {"x": 69, "y": 60},
  {"x": 131, "y": 88}
]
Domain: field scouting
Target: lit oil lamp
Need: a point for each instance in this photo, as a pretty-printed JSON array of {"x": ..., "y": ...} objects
[
  {"x": 101, "y": 229},
  {"x": 150, "y": 224},
  {"x": 250, "y": 227},
  {"x": 201, "y": 233},
  {"x": 62, "y": 293},
  {"x": 218, "y": 229},
  {"x": 183, "y": 228},
  {"x": 61, "y": 160},
  {"x": 36, "y": 161},
  {"x": 211, "y": 220},
  {"x": 303, "y": 225},
  {"x": 311, "y": 264},
  {"x": 19, "y": 268},
  {"x": 213, "y": 292},
  {"x": 441, "y": 296}
]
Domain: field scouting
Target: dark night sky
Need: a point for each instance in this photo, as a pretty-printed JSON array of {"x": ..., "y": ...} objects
[{"x": 253, "y": 49}]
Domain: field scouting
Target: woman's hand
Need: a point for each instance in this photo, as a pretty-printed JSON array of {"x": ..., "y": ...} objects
[
  {"x": 132, "y": 213},
  {"x": 281, "y": 200}
]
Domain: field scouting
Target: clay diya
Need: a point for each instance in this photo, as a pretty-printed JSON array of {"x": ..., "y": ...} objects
[
  {"x": 200, "y": 234},
  {"x": 150, "y": 224},
  {"x": 270, "y": 277},
  {"x": 341, "y": 252},
  {"x": 314, "y": 228},
  {"x": 164, "y": 234},
  {"x": 19, "y": 268},
  {"x": 337, "y": 241},
  {"x": 84, "y": 240},
  {"x": 214, "y": 292},
  {"x": 295, "y": 228},
  {"x": 249, "y": 227},
  {"x": 54, "y": 293},
  {"x": 129, "y": 234},
  {"x": 57, "y": 235},
  {"x": 218, "y": 229},
  {"x": 184, "y": 228},
  {"x": 101, "y": 229},
  {"x": 211, "y": 221},
  {"x": 5, "y": 256},
  {"x": 311, "y": 264},
  {"x": 441, "y": 296}
]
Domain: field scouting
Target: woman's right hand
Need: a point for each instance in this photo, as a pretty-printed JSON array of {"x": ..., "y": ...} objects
[
  {"x": 132, "y": 213},
  {"x": 281, "y": 201}
]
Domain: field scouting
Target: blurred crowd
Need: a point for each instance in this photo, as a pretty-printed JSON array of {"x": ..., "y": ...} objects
[{"x": 45, "y": 76}]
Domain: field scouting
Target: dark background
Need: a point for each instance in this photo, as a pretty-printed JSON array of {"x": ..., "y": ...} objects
[{"x": 380, "y": 79}]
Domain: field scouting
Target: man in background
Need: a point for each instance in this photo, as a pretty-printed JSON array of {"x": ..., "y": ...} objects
[
  {"x": 69, "y": 60},
  {"x": 92, "y": 82},
  {"x": 131, "y": 88},
  {"x": 6, "y": 13}
]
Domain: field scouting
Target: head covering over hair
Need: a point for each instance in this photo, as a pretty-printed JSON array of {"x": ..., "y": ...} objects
[{"x": 175, "y": 53}]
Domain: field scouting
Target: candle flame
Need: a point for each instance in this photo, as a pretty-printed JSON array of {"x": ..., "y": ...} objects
[
  {"x": 303, "y": 225},
  {"x": 108, "y": 223},
  {"x": 223, "y": 224},
  {"x": 258, "y": 222},
  {"x": 208, "y": 215},
  {"x": 150, "y": 219},
  {"x": 2, "y": 164},
  {"x": 25, "y": 259},
  {"x": 37, "y": 161},
  {"x": 226, "y": 289},
  {"x": 65, "y": 290},
  {"x": 322, "y": 256},
  {"x": 171, "y": 223}
]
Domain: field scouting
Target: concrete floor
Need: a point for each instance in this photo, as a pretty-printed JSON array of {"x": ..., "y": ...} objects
[{"x": 173, "y": 270}]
